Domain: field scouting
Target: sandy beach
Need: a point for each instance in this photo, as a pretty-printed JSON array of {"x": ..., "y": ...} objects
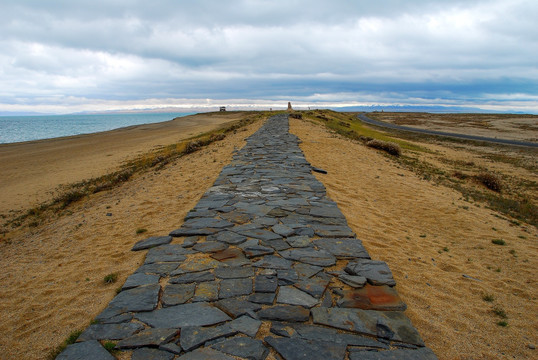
[
  {"x": 52, "y": 278},
  {"x": 31, "y": 171}
]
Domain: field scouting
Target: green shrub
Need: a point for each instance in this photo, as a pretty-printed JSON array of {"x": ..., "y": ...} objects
[
  {"x": 498, "y": 242},
  {"x": 111, "y": 278},
  {"x": 491, "y": 181}
]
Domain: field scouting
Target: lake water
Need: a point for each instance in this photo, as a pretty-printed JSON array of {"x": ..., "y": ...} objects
[{"x": 26, "y": 128}]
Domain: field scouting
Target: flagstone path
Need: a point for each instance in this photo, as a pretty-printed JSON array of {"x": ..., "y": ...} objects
[{"x": 264, "y": 264}]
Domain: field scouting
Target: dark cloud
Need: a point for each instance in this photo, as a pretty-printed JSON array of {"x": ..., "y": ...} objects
[{"x": 136, "y": 50}]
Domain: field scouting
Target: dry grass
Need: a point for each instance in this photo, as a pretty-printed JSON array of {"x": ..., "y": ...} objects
[{"x": 388, "y": 147}]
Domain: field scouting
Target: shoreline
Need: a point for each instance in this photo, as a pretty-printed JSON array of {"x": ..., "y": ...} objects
[{"x": 72, "y": 159}]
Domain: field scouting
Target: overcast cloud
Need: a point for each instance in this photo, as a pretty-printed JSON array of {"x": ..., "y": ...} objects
[{"x": 66, "y": 56}]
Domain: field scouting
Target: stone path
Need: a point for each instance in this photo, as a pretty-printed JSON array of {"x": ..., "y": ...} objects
[{"x": 264, "y": 264}]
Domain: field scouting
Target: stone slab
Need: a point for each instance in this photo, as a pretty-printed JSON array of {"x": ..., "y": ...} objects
[
  {"x": 179, "y": 316},
  {"x": 151, "y": 242}
]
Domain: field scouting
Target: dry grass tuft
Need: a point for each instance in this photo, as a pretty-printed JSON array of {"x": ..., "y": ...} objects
[
  {"x": 491, "y": 181},
  {"x": 387, "y": 146}
]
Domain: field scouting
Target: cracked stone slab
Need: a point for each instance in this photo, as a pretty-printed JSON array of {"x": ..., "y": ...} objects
[
  {"x": 175, "y": 294},
  {"x": 285, "y": 313},
  {"x": 179, "y": 316},
  {"x": 193, "y": 277},
  {"x": 206, "y": 291},
  {"x": 260, "y": 234},
  {"x": 352, "y": 280},
  {"x": 310, "y": 256},
  {"x": 228, "y": 237},
  {"x": 235, "y": 287},
  {"x": 142, "y": 298},
  {"x": 299, "y": 241},
  {"x": 243, "y": 347},
  {"x": 109, "y": 331},
  {"x": 262, "y": 298},
  {"x": 139, "y": 279},
  {"x": 148, "y": 337},
  {"x": 293, "y": 296},
  {"x": 258, "y": 250},
  {"x": 234, "y": 272},
  {"x": 315, "y": 286},
  {"x": 390, "y": 325},
  {"x": 376, "y": 272},
  {"x": 343, "y": 248},
  {"x": 237, "y": 307},
  {"x": 205, "y": 354},
  {"x": 210, "y": 246},
  {"x": 85, "y": 350},
  {"x": 192, "y": 337},
  {"x": 151, "y": 354},
  {"x": 151, "y": 242},
  {"x": 202, "y": 223},
  {"x": 265, "y": 283},
  {"x": 273, "y": 262},
  {"x": 166, "y": 253},
  {"x": 296, "y": 349},
  {"x": 246, "y": 325}
]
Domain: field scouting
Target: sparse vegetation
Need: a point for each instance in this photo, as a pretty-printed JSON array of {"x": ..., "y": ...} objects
[
  {"x": 388, "y": 147},
  {"x": 498, "y": 242},
  {"x": 499, "y": 311},
  {"x": 489, "y": 180},
  {"x": 110, "y": 278},
  {"x": 70, "y": 340},
  {"x": 502, "y": 323},
  {"x": 109, "y": 346},
  {"x": 141, "y": 231},
  {"x": 488, "y": 297}
]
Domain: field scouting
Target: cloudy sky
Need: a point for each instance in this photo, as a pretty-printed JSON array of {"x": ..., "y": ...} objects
[{"x": 66, "y": 55}]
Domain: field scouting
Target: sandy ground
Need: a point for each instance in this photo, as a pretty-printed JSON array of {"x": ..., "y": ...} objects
[
  {"x": 51, "y": 281},
  {"x": 52, "y": 278},
  {"x": 512, "y": 127},
  {"x": 430, "y": 239},
  {"x": 31, "y": 171}
]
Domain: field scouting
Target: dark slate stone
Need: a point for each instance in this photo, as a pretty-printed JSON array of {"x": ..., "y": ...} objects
[
  {"x": 231, "y": 257},
  {"x": 192, "y": 232},
  {"x": 85, "y": 350},
  {"x": 210, "y": 246},
  {"x": 189, "y": 241},
  {"x": 175, "y": 294},
  {"x": 201, "y": 223},
  {"x": 148, "y": 337},
  {"x": 234, "y": 272},
  {"x": 123, "y": 318},
  {"x": 285, "y": 313},
  {"x": 315, "y": 286},
  {"x": 228, "y": 237},
  {"x": 313, "y": 332},
  {"x": 306, "y": 271},
  {"x": 287, "y": 277},
  {"x": 266, "y": 221},
  {"x": 296, "y": 349},
  {"x": 151, "y": 354},
  {"x": 273, "y": 262},
  {"x": 195, "y": 314},
  {"x": 162, "y": 269},
  {"x": 282, "y": 230},
  {"x": 193, "y": 277},
  {"x": 246, "y": 325},
  {"x": 237, "y": 307},
  {"x": 352, "y": 280},
  {"x": 343, "y": 248},
  {"x": 278, "y": 245},
  {"x": 390, "y": 325},
  {"x": 326, "y": 211},
  {"x": 399, "y": 354},
  {"x": 151, "y": 242},
  {"x": 265, "y": 283},
  {"x": 262, "y": 298},
  {"x": 138, "y": 279},
  {"x": 377, "y": 272},
  {"x": 235, "y": 287},
  {"x": 205, "y": 354},
  {"x": 171, "y": 347},
  {"x": 305, "y": 231},
  {"x": 300, "y": 241},
  {"x": 142, "y": 298},
  {"x": 192, "y": 337},
  {"x": 243, "y": 347},
  {"x": 260, "y": 234},
  {"x": 333, "y": 231},
  {"x": 206, "y": 291},
  {"x": 310, "y": 256},
  {"x": 198, "y": 212},
  {"x": 109, "y": 331},
  {"x": 257, "y": 250},
  {"x": 293, "y": 296}
]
